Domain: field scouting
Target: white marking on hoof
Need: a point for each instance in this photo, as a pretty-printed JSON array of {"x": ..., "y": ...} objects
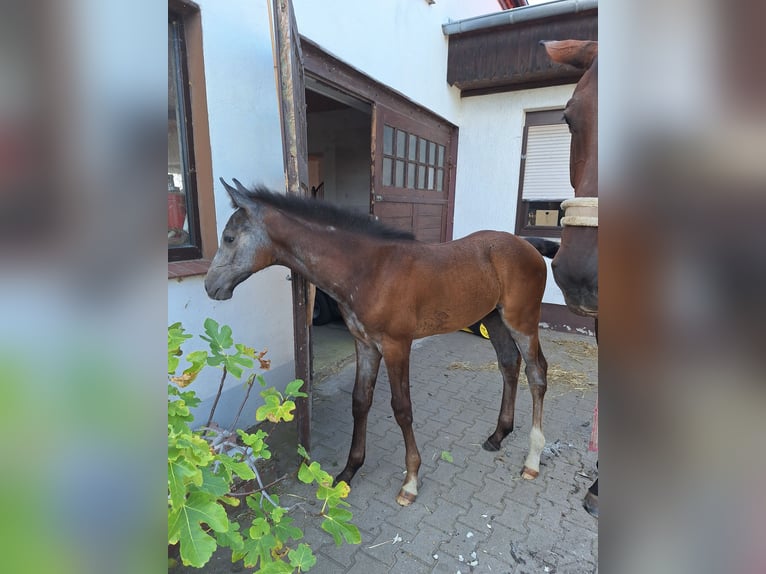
[
  {"x": 532, "y": 463},
  {"x": 408, "y": 493}
]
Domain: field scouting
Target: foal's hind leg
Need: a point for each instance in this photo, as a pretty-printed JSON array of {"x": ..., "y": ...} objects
[
  {"x": 367, "y": 364},
  {"x": 536, "y": 369},
  {"x": 509, "y": 362}
]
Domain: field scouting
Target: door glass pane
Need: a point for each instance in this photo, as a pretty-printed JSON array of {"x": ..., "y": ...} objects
[
  {"x": 439, "y": 179},
  {"x": 401, "y": 138},
  {"x": 430, "y": 178},
  {"x": 431, "y": 153},
  {"x": 422, "y": 150},
  {"x": 413, "y": 148},
  {"x": 388, "y": 140},
  {"x": 440, "y": 156},
  {"x": 421, "y": 177},
  {"x": 411, "y": 167},
  {"x": 387, "y": 171},
  {"x": 399, "y": 180}
]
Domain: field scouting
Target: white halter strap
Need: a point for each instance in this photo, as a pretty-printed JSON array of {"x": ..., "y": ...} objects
[{"x": 580, "y": 212}]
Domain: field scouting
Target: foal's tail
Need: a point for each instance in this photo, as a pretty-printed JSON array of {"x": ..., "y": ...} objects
[{"x": 546, "y": 247}]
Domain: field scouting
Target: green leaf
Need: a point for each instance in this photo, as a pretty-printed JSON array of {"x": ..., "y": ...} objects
[
  {"x": 180, "y": 474},
  {"x": 304, "y": 474},
  {"x": 215, "y": 484},
  {"x": 303, "y": 453},
  {"x": 336, "y": 523},
  {"x": 260, "y": 528},
  {"x": 241, "y": 469},
  {"x": 293, "y": 389},
  {"x": 217, "y": 337},
  {"x": 232, "y": 538},
  {"x": 176, "y": 337},
  {"x": 314, "y": 472},
  {"x": 185, "y": 525},
  {"x": 198, "y": 360},
  {"x": 284, "y": 530},
  {"x": 446, "y": 456},
  {"x": 258, "y": 549},
  {"x": 302, "y": 557},
  {"x": 276, "y": 567}
]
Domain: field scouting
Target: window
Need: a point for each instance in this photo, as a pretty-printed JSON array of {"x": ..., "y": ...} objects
[
  {"x": 192, "y": 235},
  {"x": 183, "y": 221},
  {"x": 412, "y": 162},
  {"x": 544, "y": 177}
]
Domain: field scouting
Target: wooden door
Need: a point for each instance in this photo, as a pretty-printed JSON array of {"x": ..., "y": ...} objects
[
  {"x": 292, "y": 108},
  {"x": 413, "y": 163}
]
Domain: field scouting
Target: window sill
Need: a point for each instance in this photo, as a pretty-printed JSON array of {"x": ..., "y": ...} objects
[
  {"x": 548, "y": 232},
  {"x": 179, "y": 269}
]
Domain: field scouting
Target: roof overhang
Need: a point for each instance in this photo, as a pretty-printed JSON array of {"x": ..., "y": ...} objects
[{"x": 501, "y": 52}]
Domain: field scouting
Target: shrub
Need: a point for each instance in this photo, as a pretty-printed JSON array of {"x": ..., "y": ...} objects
[{"x": 204, "y": 465}]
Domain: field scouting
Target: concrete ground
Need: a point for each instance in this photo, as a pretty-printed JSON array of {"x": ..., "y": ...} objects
[{"x": 473, "y": 513}]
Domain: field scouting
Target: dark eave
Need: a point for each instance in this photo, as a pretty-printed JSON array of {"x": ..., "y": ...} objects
[{"x": 502, "y": 52}]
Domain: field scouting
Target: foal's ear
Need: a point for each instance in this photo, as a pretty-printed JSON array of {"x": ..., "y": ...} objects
[
  {"x": 577, "y": 53},
  {"x": 238, "y": 196}
]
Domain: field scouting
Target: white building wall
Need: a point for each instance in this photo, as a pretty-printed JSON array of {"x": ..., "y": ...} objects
[
  {"x": 399, "y": 43},
  {"x": 489, "y": 161}
]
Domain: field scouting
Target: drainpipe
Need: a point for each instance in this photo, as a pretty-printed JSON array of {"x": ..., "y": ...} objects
[{"x": 518, "y": 15}]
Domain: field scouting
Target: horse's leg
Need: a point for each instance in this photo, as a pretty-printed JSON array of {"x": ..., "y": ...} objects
[
  {"x": 590, "y": 502},
  {"x": 397, "y": 357},
  {"x": 536, "y": 369},
  {"x": 509, "y": 361},
  {"x": 367, "y": 364}
]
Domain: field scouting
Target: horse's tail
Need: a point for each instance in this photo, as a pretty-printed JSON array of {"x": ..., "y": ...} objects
[{"x": 546, "y": 247}]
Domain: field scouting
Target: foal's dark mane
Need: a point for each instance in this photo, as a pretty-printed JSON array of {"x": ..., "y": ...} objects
[{"x": 325, "y": 213}]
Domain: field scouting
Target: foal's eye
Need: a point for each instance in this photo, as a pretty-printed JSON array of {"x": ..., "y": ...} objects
[{"x": 228, "y": 239}]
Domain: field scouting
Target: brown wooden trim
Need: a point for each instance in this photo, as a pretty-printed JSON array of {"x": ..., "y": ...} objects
[
  {"x": 203, "y": 157},
  {"x": 560, "y": 318}
]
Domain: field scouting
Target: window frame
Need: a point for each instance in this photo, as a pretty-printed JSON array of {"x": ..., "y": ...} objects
[
  {"x": 536, "y": 118},
  {"x": 198, "y": 178}
]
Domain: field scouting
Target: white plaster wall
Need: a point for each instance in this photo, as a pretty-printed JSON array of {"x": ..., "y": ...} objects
[
  {"x": 246, "y": 143},
  {"x": 399, "y": 43},
  {"x": 489, "y": 156}
]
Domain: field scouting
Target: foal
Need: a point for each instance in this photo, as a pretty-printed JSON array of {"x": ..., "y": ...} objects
[{"x": 392, "y": 289}]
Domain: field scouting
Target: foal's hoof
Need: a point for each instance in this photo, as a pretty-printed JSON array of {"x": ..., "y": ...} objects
[
  {"x": 490, "y": 445},
  {"x": 590, "y": 504},
  {"x": 405, "y": 498},
  {"x": 342, "y": 477},
  {"x": 529, "y": 474}
]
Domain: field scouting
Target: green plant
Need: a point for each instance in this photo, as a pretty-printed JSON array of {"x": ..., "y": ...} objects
[{"x": 204, "y": 465}]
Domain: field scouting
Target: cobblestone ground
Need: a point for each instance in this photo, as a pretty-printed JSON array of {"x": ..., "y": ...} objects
[{"x": 475, "y": 513}]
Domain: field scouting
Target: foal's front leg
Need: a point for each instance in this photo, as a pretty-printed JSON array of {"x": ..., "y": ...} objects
[
  {"x": 367, "y": 364},
  {"x": 397, "y": 357}
]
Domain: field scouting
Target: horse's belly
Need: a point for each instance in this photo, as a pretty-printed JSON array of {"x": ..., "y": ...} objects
[{"x": 453, "y": 317}]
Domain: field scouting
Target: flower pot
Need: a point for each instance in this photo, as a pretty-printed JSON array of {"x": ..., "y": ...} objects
[{"x": 176, "y": 211}]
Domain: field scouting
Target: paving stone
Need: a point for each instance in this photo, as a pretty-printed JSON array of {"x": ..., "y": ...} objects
[{"x": 405, "y": 562}]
